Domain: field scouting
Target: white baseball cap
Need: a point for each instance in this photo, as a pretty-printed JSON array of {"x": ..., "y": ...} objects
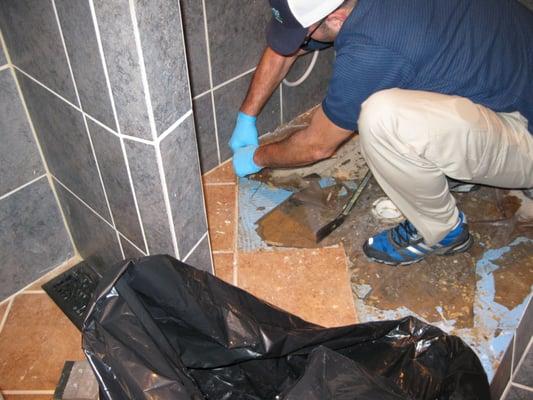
[{"x": 290, "y": 20}]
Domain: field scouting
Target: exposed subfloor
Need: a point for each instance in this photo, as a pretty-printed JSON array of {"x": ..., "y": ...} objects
[{"x": 479, "y": 295}]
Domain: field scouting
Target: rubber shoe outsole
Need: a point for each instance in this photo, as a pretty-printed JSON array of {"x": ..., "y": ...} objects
[{"x": 444, "y": 251}]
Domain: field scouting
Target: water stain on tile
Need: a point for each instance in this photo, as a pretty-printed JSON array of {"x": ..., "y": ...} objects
[
  {"x": 310, "y": 283},
  {"x": 220, "y": 205},
  {"x": 224, "y": 266},
  {"x": 35, "y": 342}
]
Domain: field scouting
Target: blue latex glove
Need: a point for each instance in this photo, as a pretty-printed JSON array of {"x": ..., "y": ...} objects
[
  {"x": 243, "y": 161},
  {"x": 245, "y": 132}
]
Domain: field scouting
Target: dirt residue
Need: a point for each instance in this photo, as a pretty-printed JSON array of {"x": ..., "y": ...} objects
[{"x": 514, "y": 278}]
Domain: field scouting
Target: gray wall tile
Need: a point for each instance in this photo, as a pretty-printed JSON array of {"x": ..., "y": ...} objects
[
  {"x": 524, "y": 375},
  {"x": 236, "y": 42},
  {"x": 33, "y": 238},
  {"x": 3, "y": 59},
  {"x": 80, "y": 39},
  {"x": 34, "y": 43},
  {"x": 312, "y": 91},
  {"x": 200, "y": 258},
  {"x": 205, "y": 132},
  {"x": 516, "y": 393},
  {"x": 503, "y": 373},
  {"x": 95, "y": 240},
  {"x": 228, "y": 99},
  {"x": 147, "y": 183},
  {"x": 528, "y": 3},
  {"x": 65, "y": 144},
  {"x": 180, "y": 159},
  {"x": 20, "y": 161},
  {"x": 193, "y": 24},
  {"x": 164, "y": 57},
  {"x": 523, "y": 332},
  {"x": 115, "y": 176},
  {"x": 129, "y": 250},
  {"x": 122, "y": 60}
]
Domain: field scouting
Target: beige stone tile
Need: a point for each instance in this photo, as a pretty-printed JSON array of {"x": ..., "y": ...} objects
[
  {"x": 310, "y": 283},
  {"x": 36, "y": 341},
  {"x": 220, "y": 205},
  {"x": 222, "y": 174},
  {"x": 28, "y": 396},
  {"x": 224, "y": 267}
]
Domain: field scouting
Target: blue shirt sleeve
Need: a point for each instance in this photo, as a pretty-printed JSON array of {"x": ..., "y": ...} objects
[{"x": 360, "y": 70}]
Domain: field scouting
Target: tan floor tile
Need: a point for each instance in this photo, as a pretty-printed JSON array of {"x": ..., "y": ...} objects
[
  {"x": 55, "y": 272},
  {"x": 224, "y": 267},
  {"x": 28, "y": 396},
  {"x": 220, "y": 204},
  {"x": 311, "y": 283},
  {"x": 222, "y": 174},
  {"x": 36, "y": 341}
]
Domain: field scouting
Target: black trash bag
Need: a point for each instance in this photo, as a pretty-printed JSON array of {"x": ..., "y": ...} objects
[{"x": 160, "y": 329}]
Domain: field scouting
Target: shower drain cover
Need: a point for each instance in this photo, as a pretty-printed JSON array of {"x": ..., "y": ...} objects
[{"x": 72, "y": 291}]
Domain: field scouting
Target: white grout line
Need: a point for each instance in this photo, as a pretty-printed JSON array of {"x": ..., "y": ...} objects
[
  {"x": 524, "y": 387},
  {"x": 6, "y": 312},
  {"x": 21, "y": 187},
  {"x": 194, "y": 247},
  {"x": 5, "y": 66},
  {"x": 212, "y": 170},
  {"x": 115, "y": 114},
  {"x": 174, "y": 126},
  {"x": 32, "y": 292},
  {"x": 117, "y": 134},
  {"x": 150, "y": 110},
  {"x": 199, "y": 96},
  {"x": 28, "y": 392},
  {"x": 209, "y": 68},
  {"x": 219, "y": 184},
  {"x": 132, "y": 244},
  {"x": 221, "y": 85},
  {"x": 222, "y": 252}
]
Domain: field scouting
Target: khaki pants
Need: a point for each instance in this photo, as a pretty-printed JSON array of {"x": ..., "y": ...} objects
[{"x": 412, "y": 139}]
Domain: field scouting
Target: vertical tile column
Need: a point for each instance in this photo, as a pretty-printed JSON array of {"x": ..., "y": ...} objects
[{"x": 33, "y": 236}]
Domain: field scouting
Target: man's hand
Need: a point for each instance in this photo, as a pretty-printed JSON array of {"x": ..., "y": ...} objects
[
  {"x": 243, "y": 161},
  {"x": 245, "y": 132}
]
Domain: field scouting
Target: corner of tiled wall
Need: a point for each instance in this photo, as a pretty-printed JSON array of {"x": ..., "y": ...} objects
[
  {"x": 223, "y": 49},
  {"x": 107, "y": 89},
  {"x": 33, "y": 236}
]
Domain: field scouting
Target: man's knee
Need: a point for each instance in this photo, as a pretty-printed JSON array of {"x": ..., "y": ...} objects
[{"x": 379, "y": 113}]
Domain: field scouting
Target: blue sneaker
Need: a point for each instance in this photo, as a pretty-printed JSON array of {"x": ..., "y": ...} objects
[{"x": 403, "y": 245}]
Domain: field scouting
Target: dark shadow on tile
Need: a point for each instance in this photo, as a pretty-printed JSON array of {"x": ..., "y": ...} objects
[
  {"x": 200, "y": 258},
  {"x": 34, "y": 43},
  {"x": 180, "y": 159},
  {"x": 236, "y": 42},
  {"x": 115, "y": 176},
  {"x": 95, "y": 240},
  {"x": 80, "y": 39},
  {"x": 194, "y": 27},
  {"x": 129, "y": 250},
  {"x": 524, "y": 375},
  {"x": 67, "y": 150},
  {"x": 33, "y": 238},
  {"x": 205, "y": 132},
  {"x": 122, "y": 60},
  {"x": 312, "y": 91},
  {"x": 228, "y": 100},
  {"x": 20, "y": 161},
  {"x": 149, "y": 192},
  {"x": 164, "y": 57},
  {"x": 503, "y": 373},
  {"x": 523, "y": 332}
]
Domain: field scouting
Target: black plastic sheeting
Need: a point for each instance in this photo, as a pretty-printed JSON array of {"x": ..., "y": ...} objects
[{"x": 160, "y": 329}]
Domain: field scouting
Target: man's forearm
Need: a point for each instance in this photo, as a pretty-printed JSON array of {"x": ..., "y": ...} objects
[{"x": 271, "y": 69}]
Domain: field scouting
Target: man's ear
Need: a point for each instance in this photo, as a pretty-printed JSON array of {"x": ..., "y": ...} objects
[{"x": 337, "y": 18}]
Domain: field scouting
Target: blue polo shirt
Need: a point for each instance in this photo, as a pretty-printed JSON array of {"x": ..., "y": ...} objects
[{"x": 478, "y": 49}]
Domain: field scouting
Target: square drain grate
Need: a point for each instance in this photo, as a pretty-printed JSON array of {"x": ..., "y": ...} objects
[{"x": 73, "y": 290}]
